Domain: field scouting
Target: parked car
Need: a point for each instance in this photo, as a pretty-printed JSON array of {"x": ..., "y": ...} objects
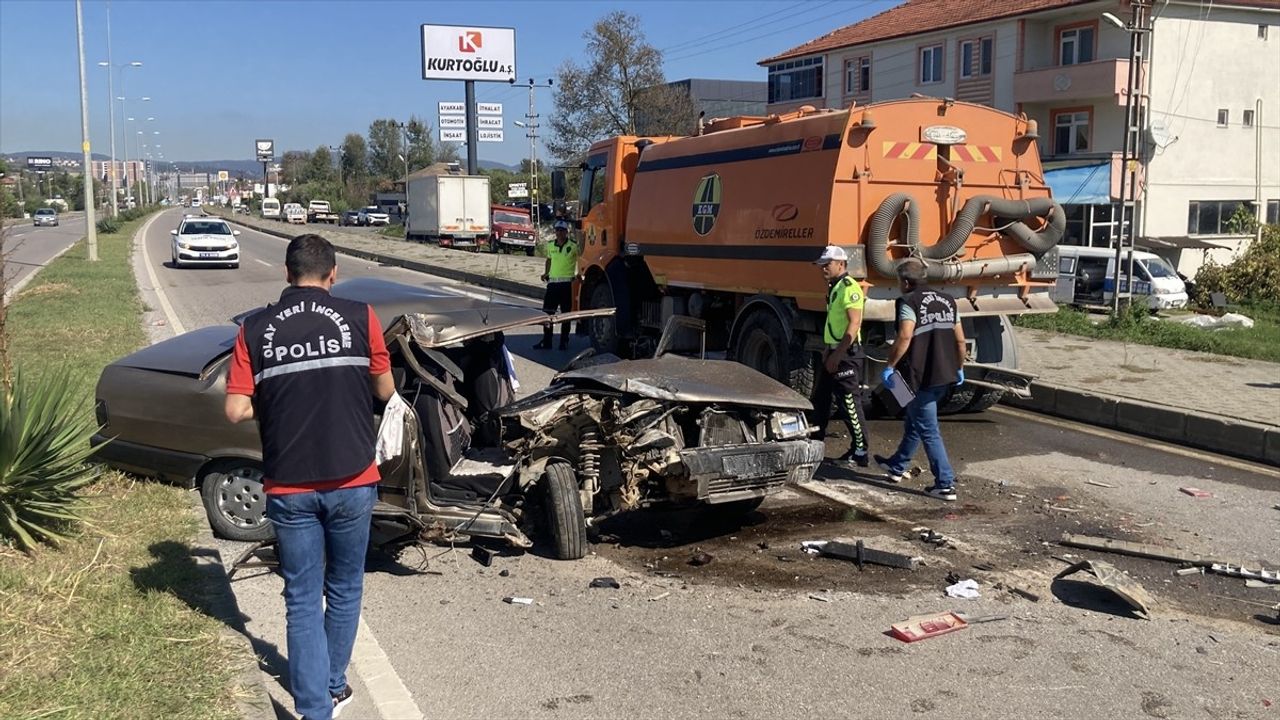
[
  {"x": 1086, "y": 277},
  {"x": 45, "y": 216},
  {"x": 372, "y": 215},
  {"x": 511, "y": 230},
  {"x": 350, "y": 217},
  {"x": 294, "y": 214},
  {"x": 204, "y": 241},
  {"x": 607, "y": 436},
  {"x": 270, "y": 209}
]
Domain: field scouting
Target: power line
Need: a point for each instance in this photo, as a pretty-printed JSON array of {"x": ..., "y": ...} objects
[
  {"x": 772, "y": 31},
  {"x": 712, "y": 36}
]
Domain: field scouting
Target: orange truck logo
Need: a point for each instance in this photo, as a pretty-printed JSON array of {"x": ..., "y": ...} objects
[
  {"x": 706, "y": 203},
  {"x": 470, "y": 41}
]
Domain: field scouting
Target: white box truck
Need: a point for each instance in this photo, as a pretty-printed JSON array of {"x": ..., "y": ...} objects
[{"x": 452, "y": 210}]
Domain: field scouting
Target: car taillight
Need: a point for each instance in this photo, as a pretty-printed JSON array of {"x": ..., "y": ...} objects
[{"x": 100, "y": 413}]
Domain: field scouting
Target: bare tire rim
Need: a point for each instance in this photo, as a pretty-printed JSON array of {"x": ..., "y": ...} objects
[{"x": 241, "y": 497}]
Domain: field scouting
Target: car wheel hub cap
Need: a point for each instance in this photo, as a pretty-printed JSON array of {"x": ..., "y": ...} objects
[{"x": 241, "y": 497}]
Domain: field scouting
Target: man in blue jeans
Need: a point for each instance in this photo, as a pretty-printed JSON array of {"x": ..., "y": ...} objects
[
  {"x": 307, "y": 368},
  {"x": 929, "y": 353}
]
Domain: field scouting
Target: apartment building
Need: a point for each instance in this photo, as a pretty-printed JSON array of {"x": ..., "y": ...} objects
[
  {"x": 1210, "y": 137},
  {"x": 134, "y": 170}
]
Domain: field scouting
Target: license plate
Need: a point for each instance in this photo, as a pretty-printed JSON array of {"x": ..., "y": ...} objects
[
  {"x": 208, "y": 255},
  {"x": 753, "y": 465}
]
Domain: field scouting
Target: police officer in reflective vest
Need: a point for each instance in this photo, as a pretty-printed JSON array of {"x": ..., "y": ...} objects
[
  {"x": 561, "y": 267},
  {"x": 843, "y": 360}
]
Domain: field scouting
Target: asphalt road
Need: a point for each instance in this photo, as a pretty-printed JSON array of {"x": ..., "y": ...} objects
[
  {"x": 764, "y": 631},
  {"x": 29, "y": 248}
]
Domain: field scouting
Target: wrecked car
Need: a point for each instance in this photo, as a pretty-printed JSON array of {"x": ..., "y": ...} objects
[{"x": 606, "y": 436}]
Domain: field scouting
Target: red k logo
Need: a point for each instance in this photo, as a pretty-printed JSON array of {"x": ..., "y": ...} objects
[{"x": 470, "y": 41}]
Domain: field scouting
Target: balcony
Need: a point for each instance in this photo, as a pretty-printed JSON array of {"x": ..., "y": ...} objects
[{"x": 1097, "y": 79}]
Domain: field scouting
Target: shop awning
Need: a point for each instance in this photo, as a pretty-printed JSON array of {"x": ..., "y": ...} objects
[{"x": 1081, "y": 185}]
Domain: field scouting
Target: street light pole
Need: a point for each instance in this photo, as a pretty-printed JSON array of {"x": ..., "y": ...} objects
[
  {"x": 531, "y": 131},
  {"x": 91, "y": 225}
]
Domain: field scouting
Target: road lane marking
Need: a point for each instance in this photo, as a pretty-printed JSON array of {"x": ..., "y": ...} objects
[
  {"x": 391, "y": 698},
  {"x": 1140, "y": 441},
  {"x": 264, "y": 262},
  {"x": 165, "y": 306}
]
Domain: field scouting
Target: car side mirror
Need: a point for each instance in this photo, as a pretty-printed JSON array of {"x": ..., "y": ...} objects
[
  {"x": 557, "y": 185},
  {"x": 173, "y": 232},
  {"x": 235, "y": 232}
]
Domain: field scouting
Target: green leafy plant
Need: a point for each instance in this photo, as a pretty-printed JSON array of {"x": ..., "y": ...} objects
[
  {"x": 43, "y": 451},
  {"x": 1253, "y": 277}
]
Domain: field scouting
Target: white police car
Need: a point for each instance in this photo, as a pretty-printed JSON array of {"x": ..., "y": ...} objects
[{"x": 205, "y": 241}]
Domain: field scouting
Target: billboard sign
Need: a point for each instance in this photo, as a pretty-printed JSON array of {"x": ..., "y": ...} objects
[
  {"x": 463, "y": 52},
  {"x": 490, "y": 136},
  {"x": 452, "y": 108},
  {"x": 453, "y": 135},
  {"x": 266, "y": 150},
  {"x": 518, "y": 190},
  {"x": 223, "y": 176},
  {"x": 489, "y": 108},
  {"x": 488, "y": 121},
  {"x": 39, "y": 163},
  {"x": 453, "y": 121}
]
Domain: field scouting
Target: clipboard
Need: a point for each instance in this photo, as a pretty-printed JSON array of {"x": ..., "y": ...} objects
[{"x": 900, "y": 391}]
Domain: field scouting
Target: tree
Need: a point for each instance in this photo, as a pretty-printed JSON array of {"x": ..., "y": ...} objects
[
  {"x": 293, "y": 167},
  {"x": 422, "y": 151},
  {"x": 320, "y": 167},
  {"x": 620, "y": 85},
  {"x": 355, "y": 159},
  {"x": 384, "y": 150}
]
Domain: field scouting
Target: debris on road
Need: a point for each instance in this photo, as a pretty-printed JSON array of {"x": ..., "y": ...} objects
[
  {"x": 965, "y": 589},
  {"x": 483, "y": 555},
  {"x": 1024, "y": 594},
  {"x": 1260, "y": 584},
  {"x": 1099, "y": 484},
  {"x": 605, "y": 582},
  {"x": 1123, "y": 547},
  {"x": 656, "y": 598},
  {"x": 1195, "y": 492},
  {"x": 517, "y": 600},
  {"x": 930, "y": 536},
  {"x": 819, "y": 598},
  {"x": 979, "y": 619},
  {"x": 922, "y": 627},
  {"x": 1119, "y": 583},
  {"x": 504, "y": 573},
  {"x": 858, "y": 553},
  {"x": 701, "y": 558},
  {"x": 1267, "y": 576},
  {"x": 1196, "y": 570}
]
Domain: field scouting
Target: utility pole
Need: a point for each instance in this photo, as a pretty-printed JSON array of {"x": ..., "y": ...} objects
[
  {"x": 531, "y": 126},
  {"x": 1131, "y": 156},
  {"x": 91, "y": 225}
]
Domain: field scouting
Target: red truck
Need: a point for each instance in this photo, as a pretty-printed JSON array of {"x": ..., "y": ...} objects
[{"x": 512, "y": 230}]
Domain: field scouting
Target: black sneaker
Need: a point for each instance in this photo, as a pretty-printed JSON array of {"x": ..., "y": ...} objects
[
  {"x": 947, "y": 492},
  {"x": 341, "y": 700},
  {"x": 854, "y": 459},
  {"x": 890, "y": 474}
]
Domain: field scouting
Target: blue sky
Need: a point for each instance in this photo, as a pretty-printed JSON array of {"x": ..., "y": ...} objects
[{"x": 221, "y": 73}]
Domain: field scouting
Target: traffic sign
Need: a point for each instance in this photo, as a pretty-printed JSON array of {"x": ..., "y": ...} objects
[
  {"x": 518, "y": 190},
  {"x": 488, "y": 121},
  {"x": 452, "y": 108},
  {"x": 453, "y": 121},
  {"x": 452, "y": 135},
  {"x": 490, "y": 136},
  {"x": 489, "y": 108}
]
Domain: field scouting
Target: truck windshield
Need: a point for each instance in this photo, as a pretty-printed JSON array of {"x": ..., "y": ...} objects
[
  {"x": 591, "y": 192},
  {"x": 511, "y": 218}
]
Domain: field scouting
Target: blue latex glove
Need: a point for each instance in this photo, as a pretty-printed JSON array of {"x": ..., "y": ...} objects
[
  {"x": 960, "y": 377},
  {"x": 886, "y": 377}
]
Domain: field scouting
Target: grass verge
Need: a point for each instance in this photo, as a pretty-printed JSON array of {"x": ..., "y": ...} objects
[
  {"x": 115, "y": 623},
  {"x": 1261, "y": 342}
]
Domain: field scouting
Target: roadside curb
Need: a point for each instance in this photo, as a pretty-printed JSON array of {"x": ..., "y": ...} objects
[
  {"x": 1205, "y": 431},
  {"x": 255, "y": 702},
  {"x": 513, "y": 287}
]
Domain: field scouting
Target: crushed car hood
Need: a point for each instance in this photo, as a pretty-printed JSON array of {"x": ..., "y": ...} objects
[
  {"x": 672, "y": 377},
  {"x": 187, "y": 354}
]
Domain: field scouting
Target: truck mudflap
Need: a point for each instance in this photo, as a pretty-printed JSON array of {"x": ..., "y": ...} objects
[
  {"x": 729, "y": 473},
  {"x": 995, "y": 377}
]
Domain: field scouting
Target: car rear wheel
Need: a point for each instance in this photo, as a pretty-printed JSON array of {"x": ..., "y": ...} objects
[
  {"x": 565, "y": 522},
  {"x": 236, "y": 502}
]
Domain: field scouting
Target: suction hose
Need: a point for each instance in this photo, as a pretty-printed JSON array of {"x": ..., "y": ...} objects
[{"x": 935, "y": 256}]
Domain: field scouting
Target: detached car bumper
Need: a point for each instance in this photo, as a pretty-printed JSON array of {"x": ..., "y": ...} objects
[
  {"x": 1170, "y": 301},
  {"x": 730, "y": 473}
]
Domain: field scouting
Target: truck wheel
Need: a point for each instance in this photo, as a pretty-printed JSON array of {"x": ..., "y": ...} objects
[
  {"x": 603, "y": 330},
  {"x": 993, "y": 344},
  {"x": 762, "y": 346},
  {"x": 957, "y": 400},
  {"x": 565, "y": 522}
]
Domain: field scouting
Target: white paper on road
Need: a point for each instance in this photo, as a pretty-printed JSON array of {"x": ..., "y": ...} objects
[
  {"x": 967, "y": 589},
  {"x": 391, "y": 431},
  {"x": 511, "y": 369}
]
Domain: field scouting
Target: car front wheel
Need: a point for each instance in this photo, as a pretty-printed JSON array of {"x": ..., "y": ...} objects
[
  {"x": 565, "y": 521},
  {"x": 236, "y": 502}
]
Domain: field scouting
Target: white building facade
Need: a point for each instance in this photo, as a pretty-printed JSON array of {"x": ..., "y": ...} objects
[{"x": 1211, "y": 133}]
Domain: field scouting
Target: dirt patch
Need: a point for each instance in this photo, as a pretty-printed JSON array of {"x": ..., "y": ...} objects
[
  {"x": 54, "y": 288},
  {"x": 1139, "y": 369}
]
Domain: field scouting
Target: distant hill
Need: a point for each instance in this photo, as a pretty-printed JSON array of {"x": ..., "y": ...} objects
[
  {"x": 237, "y": 168},
  {"x": 21, "y": 157}
]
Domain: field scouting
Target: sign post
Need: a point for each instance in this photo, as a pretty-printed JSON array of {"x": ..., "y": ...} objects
[
  {"x": 266, "y": 150},
  {"x": 470, "y": 54}
]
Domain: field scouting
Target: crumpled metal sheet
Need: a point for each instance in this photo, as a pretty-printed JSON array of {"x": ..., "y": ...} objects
[
  {"x": 672, "y": 377},
  {"x": 1118, "y": 582}
]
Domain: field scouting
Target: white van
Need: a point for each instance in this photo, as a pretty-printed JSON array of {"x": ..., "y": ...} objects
[
  {"x": 270, "y": 209},
  {"x": 1086, "y": 277}
]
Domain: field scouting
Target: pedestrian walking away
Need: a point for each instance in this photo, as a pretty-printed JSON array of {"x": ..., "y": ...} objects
[
  {"x": 928, "y": 354},
  {"x": 307, "y": 369},
  {"x": 843, "y": 360},
  {"x": 561, "y": 267}
]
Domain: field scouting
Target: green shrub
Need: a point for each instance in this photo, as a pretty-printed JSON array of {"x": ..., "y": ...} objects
[
  {"x": 1254, "y": 277},
  {"x": 43, "y": 449},
  {"x": 108, "y": 226}
]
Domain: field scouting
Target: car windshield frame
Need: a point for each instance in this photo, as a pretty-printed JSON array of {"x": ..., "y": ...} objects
[
  {"x": 1163, "y": 268},
  {"x": 208, "y": 225},
  {"x": 46, "y": 211}
]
